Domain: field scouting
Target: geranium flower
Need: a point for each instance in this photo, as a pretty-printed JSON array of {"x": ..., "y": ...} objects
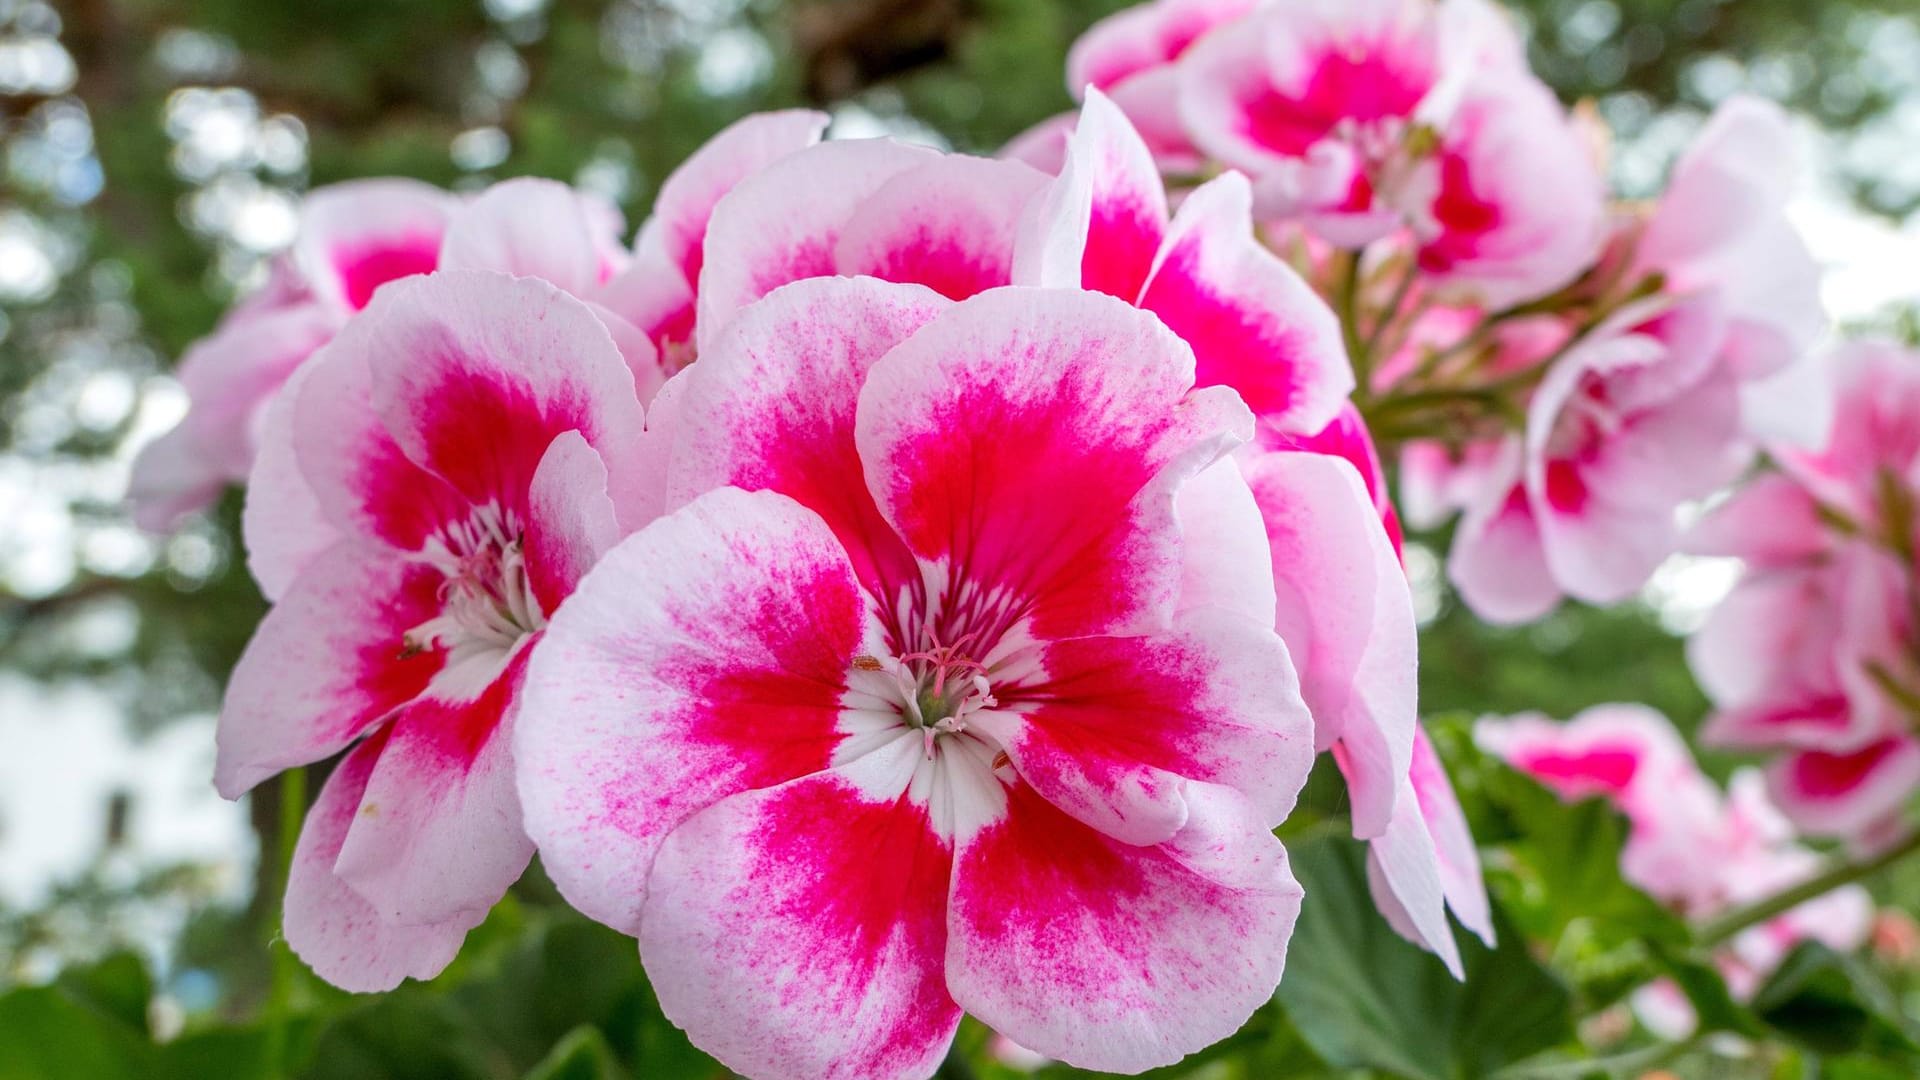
[
  {"x": 460, "y": 434},
  {"x": 872, "y": 207},
  {"x": 954, "y": 707},
  {"x": 1343, "y": 607},
  {"x": 1129, "y": 56},
  {"x": 357, "y": 236},
  {"x": 1364, "y": 120},
  {"x": 352, "y": 238},
  {"x": 1719, "y": 235},
  {"x": 1816, "y": 650},
  {"x": 656, "y": 292}
]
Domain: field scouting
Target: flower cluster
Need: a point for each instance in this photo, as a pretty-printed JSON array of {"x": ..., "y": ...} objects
[
  {"x": 905, "y": 583},
  {"x": 1699, "y": 851},
  {"x": 1563, "y": 375},
  {"x": 1815, "y": 656}
]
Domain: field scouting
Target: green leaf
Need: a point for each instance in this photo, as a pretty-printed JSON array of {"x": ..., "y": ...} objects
[
  {"x": 582, "y": 1054},
  {"x": 230, "y": 1053},
  {"x": 117, "y": 986},
  {"x": 1707, "y": 992},
  {"x": 1861, "y": 1068},
  {"x": 408, "y": 1034},
  {"x": 1363, "y": 997},
  {"x": 1567, "y": 857},
  {"x": 47, "y": 1035},
  {"x": 1832, "y": 1005}
]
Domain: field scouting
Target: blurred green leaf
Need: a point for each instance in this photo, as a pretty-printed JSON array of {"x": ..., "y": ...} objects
[
  {"x": 408, "y": 1034},
  {"x": 581, "y": 1055},
  {"x": 47, "y": 1035},
  {"x": 233, "y": 1053},
  {"x": 1362, "y": 997},
  {"x": 1567, "y": 857},
  {"x": 118, "y": 986},
  {"x": 1706, "y": 990},
  {"x": 1832, "y": 1005}
]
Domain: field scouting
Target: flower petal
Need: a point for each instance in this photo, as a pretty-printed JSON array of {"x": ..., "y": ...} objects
[
  {"x": 530, "y": 227},
  {"x": 705, "y": 655},
  {"x": 1115, "y": 957},
  {"x": 231, "y": 375},
  {"x": 1425, "y": 859},
  {"x": 572, "y": 521},
  {"x": 1403, "y": 875},
  {"x": 1346, "y": 614},
  {"x": 358, "y": 475},
  {"x": 947, "y": 224},
  {"x": 1117, "y": 727},
  {"x": 1101, "y": 221},
  {"x": 1460, "y": 875},
  {"x": 1227, "y": 561},
  {"x": 326, "y": 663},
  {"x": 282, "y": 521},
  {"x": 800, "y": 930},
  {"x": 1035, "y": 439},
  {"x": 688, "y": 196},
  {"x": 772, "y": 405},
  {"x": 1498, "y": 561},
  {"x": 357, "y": 236},
  {"x": 1772, "y": 521},
  {"x": 330, "y": 926},
  {"x": 438, "y": 835},
  {"x": 781, "y": 223},
  {"x": 1254, "y": 324},
  {"x": 1846, "y": 795},
  {"x": 476, "y": 373}
]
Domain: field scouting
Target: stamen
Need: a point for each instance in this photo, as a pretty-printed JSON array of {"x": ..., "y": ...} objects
[{"x": 486, "y": 599}]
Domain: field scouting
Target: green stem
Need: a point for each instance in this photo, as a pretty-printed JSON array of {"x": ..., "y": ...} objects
[
  {"x": 1391, "y": 312},
  {"x": 1347, "y": 307},
  {"x": 1724, "y": 928},
  {"x": 1632, "y": 1063},
  {"x": 286, "y": 970}
]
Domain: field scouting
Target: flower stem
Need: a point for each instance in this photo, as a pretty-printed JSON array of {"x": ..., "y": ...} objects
[
  {"x": 286, "y": 971},
  {"x": 1632, "y": 1063},
  {"x": 1724, "y": 928},
  {"x": 1347, "y": 307}
]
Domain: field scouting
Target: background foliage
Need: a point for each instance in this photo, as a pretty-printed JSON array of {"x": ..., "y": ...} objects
[{"x": 152, "y": 153}]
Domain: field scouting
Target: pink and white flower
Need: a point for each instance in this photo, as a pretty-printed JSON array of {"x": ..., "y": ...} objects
[
  {"x": 1690, "y": 847},
  {"x": 656, "y": 292},
  {"x": 1344, "y": 608},
  {"x": 950, "y": 709},
  {"x": 1631, "y": 756},
  {"x": 1401, "y": 117},
  {"x": 863, "y": 207},
  {"x": 1816, "y": 651},
  {"x": 1129, "y": 57},
  {"x": 353, "y": 238},
  {"x": 1719, "y": 236},
  {"x": 1624, "y": 430},
  {"x": 474, "y": 442}
]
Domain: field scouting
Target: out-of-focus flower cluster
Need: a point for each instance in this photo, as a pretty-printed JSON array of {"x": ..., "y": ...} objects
[
  {"x": 1700, "y": 851},
  {"x": 1562, "y": 374},
  {"x": 1815, "y": 656}
]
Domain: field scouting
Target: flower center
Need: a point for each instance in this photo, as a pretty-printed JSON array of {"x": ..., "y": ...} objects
[
  {"x": 938, "y": 688},
  {"x": 487, "y": 601}
]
